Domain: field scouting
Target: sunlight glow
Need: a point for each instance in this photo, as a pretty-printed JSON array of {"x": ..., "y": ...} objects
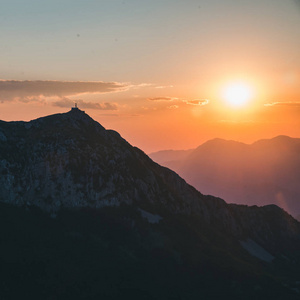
[{"x": 237, "y": 94}]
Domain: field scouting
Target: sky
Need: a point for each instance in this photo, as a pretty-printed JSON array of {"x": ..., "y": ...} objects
[{"x": 155, "y": 71}]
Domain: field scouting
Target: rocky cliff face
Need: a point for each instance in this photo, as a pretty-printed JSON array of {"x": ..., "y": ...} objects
[{"x": 69, "y": 160}]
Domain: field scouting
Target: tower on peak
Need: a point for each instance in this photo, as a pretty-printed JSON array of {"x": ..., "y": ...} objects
[{"x": 75, "y": 108}]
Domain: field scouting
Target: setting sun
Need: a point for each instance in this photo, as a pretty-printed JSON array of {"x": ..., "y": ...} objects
[{"x": 237, "y": 94}]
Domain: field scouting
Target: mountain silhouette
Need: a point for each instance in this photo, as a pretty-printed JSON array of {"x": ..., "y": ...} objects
[
  {"x": 84, "y": 215},
  {"x": 265, "y": 172}
]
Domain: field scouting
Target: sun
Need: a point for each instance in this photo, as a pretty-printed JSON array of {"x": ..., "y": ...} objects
[{"x": 237, "y": 94}]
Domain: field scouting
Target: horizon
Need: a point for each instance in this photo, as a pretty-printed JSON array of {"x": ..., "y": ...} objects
[
  {"x": 168, "y": 75},
  {"x": 162, "y": 150}
]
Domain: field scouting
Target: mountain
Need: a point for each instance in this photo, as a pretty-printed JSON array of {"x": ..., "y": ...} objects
[
  {"x": 265, "y": 172},
  {"x": 170, "y": 158},
  {"x": 84, "y": 215}
]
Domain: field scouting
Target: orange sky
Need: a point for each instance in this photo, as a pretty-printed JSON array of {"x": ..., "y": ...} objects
[
  {"x": 155, "y": 72},
  {"x": 167, "y": 122}
]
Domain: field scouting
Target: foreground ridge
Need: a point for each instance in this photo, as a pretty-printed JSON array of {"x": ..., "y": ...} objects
[{"x": 95, "y": 185}]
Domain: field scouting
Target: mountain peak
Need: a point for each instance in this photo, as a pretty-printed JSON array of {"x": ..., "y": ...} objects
[
  {"x": 70, "y": 160},
  {"x": 69, "y": 123},
  {"x": 279, "y": 142}
]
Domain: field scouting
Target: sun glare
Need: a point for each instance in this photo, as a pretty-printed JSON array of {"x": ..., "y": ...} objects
[{"x": 237, "y": 94}]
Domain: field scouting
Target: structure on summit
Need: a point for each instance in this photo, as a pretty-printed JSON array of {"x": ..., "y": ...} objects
[{"x": 76, "y": 109}]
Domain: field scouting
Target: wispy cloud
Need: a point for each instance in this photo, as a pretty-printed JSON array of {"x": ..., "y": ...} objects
[
  {"x": 30, "y": 90},
  {"x": 287, "y": 103},
  {"x": 164, "y": 86},
  {"x": 65, "y": 102},
  {"x": 163, "y": 99},
  {"x": 140, "y": 85},
  {"x": 173, "y": 107},
  {"x": 199, "y": 102}
]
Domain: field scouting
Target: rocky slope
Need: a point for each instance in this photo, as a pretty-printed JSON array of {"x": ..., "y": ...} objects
[
  {"x": 95, "y": 185},
  {"x": 69, "y": 160}
]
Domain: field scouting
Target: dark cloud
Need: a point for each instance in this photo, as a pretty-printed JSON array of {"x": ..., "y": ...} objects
[
  {"x": 289, "y": 103},
  {"x": 32, "y": 90},
  {"x": 65, "y": 102}
]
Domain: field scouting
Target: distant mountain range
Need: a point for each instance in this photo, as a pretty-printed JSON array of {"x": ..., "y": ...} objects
[
  {"x": 84, "y": 215},
  {"x": 265, "y": 172}
]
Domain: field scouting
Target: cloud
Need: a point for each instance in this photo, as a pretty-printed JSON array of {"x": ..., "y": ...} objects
[
  {"x": 199, "y": 102},
  {"x": 173, "y": 107},
  {"x": 65, "y": 102},
  {"x": 30, "y": 90},
  {"x": 163, "y": 99},
  {"x": 164, "y": 86},
  {"x": 289, "y": 103},
  {"x": 138, "y": 86},
  {"x": 143, "y": 84}
]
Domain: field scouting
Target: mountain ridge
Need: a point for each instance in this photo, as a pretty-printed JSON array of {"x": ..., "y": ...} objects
[
  {"x": 45, "y": 139},
  {"x": 76, "y": 131},
  {"x": 264, "y": 172},
  {"x": 84, "y": 176}
]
